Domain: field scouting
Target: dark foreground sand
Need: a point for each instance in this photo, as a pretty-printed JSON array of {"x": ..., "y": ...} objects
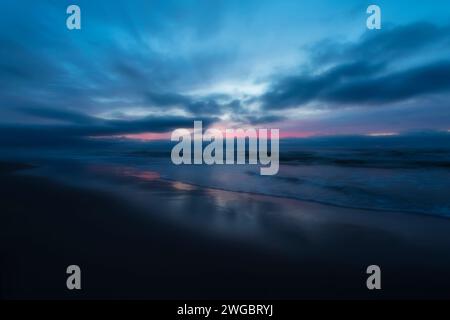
[{"x": 167, "y": 240}]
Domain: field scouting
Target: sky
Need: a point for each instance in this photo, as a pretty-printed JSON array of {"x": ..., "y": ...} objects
[{"x": 142, "y": 68}]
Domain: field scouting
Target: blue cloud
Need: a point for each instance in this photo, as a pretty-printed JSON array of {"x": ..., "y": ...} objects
[{"x": 176, "y": 55}]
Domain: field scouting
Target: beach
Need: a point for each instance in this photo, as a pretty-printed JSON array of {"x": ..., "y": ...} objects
[
  {"x": 140, "y": 237},
  {"x": 224, "y": 150}
]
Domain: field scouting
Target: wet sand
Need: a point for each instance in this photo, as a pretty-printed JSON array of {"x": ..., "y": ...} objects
[{"x": 148, "y": 238}]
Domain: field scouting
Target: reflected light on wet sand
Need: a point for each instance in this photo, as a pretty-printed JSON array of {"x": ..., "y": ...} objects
[{"x": 183, "y": 186}]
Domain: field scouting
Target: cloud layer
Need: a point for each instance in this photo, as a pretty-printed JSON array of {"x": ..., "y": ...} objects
[{"x": 154, "y": 66}]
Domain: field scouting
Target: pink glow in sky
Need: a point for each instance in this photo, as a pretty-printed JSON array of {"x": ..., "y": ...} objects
[
  {"x": 151, "y": 136},
  {"x": 148, "y": 136}
]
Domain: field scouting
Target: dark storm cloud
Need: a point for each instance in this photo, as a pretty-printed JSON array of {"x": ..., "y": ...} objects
[
  {"x": 347, "y": 86},
  {"x": 148, "y": 124},
  {"x": 59, "y": 114},
  {"x": 80, "y": 126},
  {"x": 83, "y": 125},
  {"x": 373, "y": 76},
  {"x": 394, "y": 87},
  {"x": 295, "y": 90},
  {"x": 199, "y": 106},
  {"x": 387, "y": 44},
  {"x": 257, "y": 120}
]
